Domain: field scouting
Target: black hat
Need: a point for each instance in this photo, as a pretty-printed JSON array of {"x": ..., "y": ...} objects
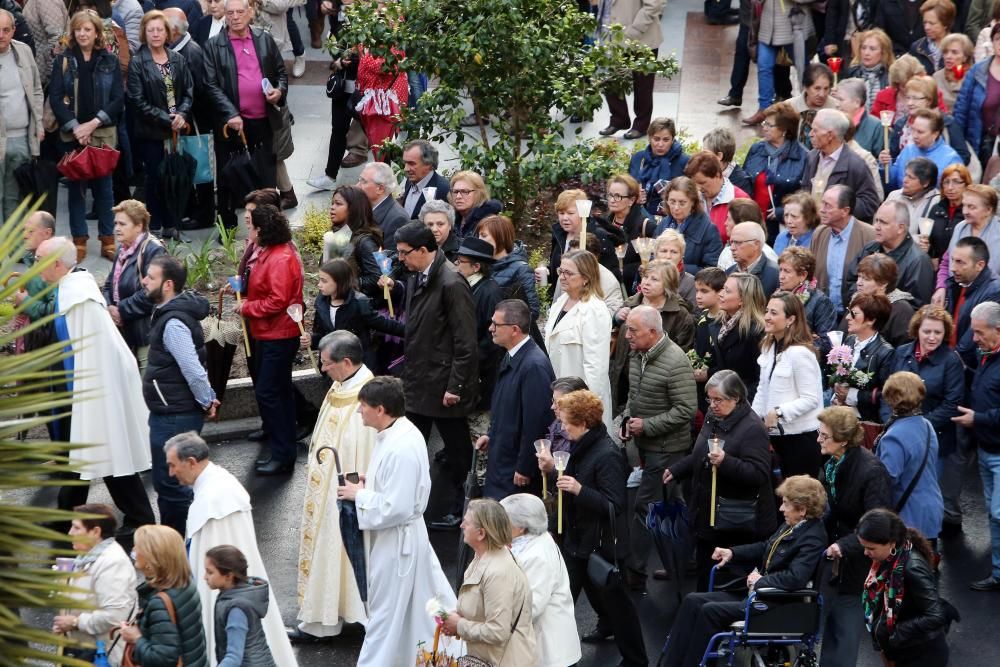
[{"x": 477, "y": 249}]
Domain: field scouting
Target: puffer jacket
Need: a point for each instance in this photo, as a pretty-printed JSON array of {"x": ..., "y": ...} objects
[
  {"x": 662, "y": 392},
  {"x": 703, "y": 245},
  {"x": 133, "y": 304},
  {"x": 252, "y": 598},
  {"x": 968, "y": 109},
  {"x": 466, "y": 226},
  {"x": 147, "y": 93},
  {"x": 513, "y": 271},
  {"x": 162, "y": 642}
]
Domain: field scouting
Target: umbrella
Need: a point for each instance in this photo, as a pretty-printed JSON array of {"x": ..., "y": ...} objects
[
  {"x": 222, "y": 335},
  {"x": 668, "y": 525},
  {"x": 36, "y": 178},
  {"x": 472, "y": 491},
  {"x": 176, "y": 180},
  {"x": 240, "y": 173},
  {"x": 350, "y": 532}
]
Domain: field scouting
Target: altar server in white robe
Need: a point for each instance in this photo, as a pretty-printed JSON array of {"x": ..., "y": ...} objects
[
  {"x": 220, "y": 514},
  {"x": 328, "y": 591},
  {"x": 403, "y": 571}
]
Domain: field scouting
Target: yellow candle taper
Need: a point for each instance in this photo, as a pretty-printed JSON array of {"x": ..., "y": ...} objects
[
  {"x": 437, "y": 637},
  {"x": 312, "y": 358},
  {"x": 388, "y": 300},
  {"x": 243, "y": 325},
  {"x": 559, "y": 510},
  {"x": 711, "y": 503},
  {"x": 885, "y": 132}
]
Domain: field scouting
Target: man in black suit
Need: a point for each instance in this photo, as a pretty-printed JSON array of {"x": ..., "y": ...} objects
[
  {"x": 377, "y": 181},
  {"x": 420, "y": 161}
]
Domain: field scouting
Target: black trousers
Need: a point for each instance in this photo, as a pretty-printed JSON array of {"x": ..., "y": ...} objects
[
  {"x": 275, "y": 396},
  {"x": 741, "y": 69},
  {"x": 705, "y": 547},
  {"x": 642, "y": 103},
  {"x": 798, "y": 454},
  {"x": 701, "y": 615},
  {"x": 340, "y": 122},
  {"x": 305, "y": 412},
  {"x": 258, "y": 133},
  {"x": 929, "y": 654},
  {"x": 615, "y": 611},
  {"x": 457, "y": 445}
]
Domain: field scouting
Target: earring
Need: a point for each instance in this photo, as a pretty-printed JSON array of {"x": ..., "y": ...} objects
[{"x": 892, "y": 551}]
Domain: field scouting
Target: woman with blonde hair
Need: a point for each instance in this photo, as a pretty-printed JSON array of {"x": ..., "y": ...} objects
[
  {"x": 956, "y": 51},
  {"x": 871, "y": 62},
  {"x": 671, "y": 247},
  {"x": 741, "y": 328},
  {"x": 578, "y": 328},
  {"x": 628, "y": 217},
  {"x": 494, "y": 610},
  {"x": 169, "y": 628},
  {"x": 471, "y": 199},
  {"x": 893, "y": 96}
]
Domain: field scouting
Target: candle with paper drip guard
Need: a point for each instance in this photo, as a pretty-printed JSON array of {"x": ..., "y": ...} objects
[
  {"x": 925, "y": 225},
  {"x": 714, "y": 445},
  {"x": 295, "y": 312},
  {"x": 886, "y": 118},
  {"x": 834, "y": 65},
  {"x": 583, "y": 207},
  {"x": 430, "y": 192},
  {"x": 543, "y": 445},
  {"x": 644, "y": 246},
  {"x": 236, "y": 283},
  {"x": 562, "y": 460},
  {"x": 620, "y": 251},
  {"x": 836, "y": 337}
]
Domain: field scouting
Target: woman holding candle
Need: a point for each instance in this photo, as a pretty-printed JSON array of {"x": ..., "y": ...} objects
[
  {"x": 593, "y": 490},
  {"x": 741, "y": 327},
  {"x": 670, "y": 247},
  {"x": 871, "y": 63},
  {"x": 569, "y": 228},
  {"x": 976, "y": 111},
  {"x": 893, "y": 97},
  {"x": 742, "y": 470},
  {"x": 493, "y": 616},
  {"x": 359, "y": 237},
  {"x": 956, "y": 52},
  {"x": 686, "y": 214},
  {"x": 947, "y": 212},
  {"x": 920, "y": 91},
  {"x": 938, "y": 16}
]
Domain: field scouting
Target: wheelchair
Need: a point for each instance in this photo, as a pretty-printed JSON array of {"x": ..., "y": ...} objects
[{"x": 779, "y": 629}]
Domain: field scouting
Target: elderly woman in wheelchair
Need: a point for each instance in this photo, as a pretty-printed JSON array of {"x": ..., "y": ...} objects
[{"x": 787, "y": 564}]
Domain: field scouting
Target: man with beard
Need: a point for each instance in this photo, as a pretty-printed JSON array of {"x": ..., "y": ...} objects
[{"x": 175, "y": 385}]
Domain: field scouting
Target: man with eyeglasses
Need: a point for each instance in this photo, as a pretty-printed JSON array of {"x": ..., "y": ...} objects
[
  {"x": 837, "y": 240},
  {"x": 832, "y": 162},
  {"x": 747, "y": 245},
  {"x": 377, "y": 181},
  {"x": 520, "y": 409}
]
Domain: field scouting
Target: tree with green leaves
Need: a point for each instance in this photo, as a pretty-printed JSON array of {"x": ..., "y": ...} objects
[
  {"x": 526, "y": 65},
  {"x": 29, "y": 398}
]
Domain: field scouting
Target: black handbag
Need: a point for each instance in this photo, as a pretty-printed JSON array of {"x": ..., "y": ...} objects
[
  {"x": 735, "y": 514},
  {"x": 601, "y": 572},
  {"x": 336, "y": 85}
]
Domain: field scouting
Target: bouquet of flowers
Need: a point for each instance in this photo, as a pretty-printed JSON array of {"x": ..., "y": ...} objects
[
  {"x": 699, "y": 362},
  {"x": 841, "y": 362},
  {"x": 435, "y": 658}
]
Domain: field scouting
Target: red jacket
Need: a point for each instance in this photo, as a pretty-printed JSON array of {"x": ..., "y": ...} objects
[
  {"x": 275, "y": 284},
  {"x": 885, "y": 100}
]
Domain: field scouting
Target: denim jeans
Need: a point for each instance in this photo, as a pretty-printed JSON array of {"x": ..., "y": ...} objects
[
  {"x": 103, "y": 201},
  {"x": 989, "y": 471},
  {"x": 275, "y": 395},
  {"x": 172, "y": 499},
  {"x": 766, "y": 57},
  {"x": 418, "y": 86}
]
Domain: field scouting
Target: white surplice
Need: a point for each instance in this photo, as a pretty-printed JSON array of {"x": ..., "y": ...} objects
[
  {"x": 109, "y": 413},
  {"x": 220, "y": 514},
  {"x": 327, "y": 589},
  {"x": 403, "y": 570}
]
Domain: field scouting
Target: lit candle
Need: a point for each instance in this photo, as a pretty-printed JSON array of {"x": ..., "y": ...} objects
[
  {"x": 834, "y": 65},
  {"x": 886, "y": 118},
  {"x": 959, "y": 71},
  {"x": 562, "y": 459},
  {"x": 541, "y": 446}
]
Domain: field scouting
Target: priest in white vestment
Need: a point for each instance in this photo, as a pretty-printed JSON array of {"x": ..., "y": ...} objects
[
  {"x": 328, "y": 591},
  {"x": 220, "y": 514},
  {"x": 109, "y": 413},
  {"x": 403, "y": 570}
]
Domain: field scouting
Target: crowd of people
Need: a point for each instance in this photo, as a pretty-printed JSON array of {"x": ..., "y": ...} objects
[{"x": 829, "y": 310}]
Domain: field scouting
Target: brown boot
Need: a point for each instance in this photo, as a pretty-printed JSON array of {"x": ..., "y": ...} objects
[
  {"x": 81, "y": 247},
  {"x": 316, "y": 27},
  {"x": 107, "y": 247}
]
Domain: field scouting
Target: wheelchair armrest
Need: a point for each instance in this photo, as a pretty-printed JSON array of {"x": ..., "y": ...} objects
[{"x": 777, "y": 593}]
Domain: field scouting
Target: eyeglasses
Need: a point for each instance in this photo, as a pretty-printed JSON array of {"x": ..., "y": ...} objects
[
  {"x": 854, "y": 315},
  {"x": 403, "y": 253},
  {"x": 614, "y": 196},
  {"x": 768, "y": 126},
  {"x": 823, "y": 437},
  {"x": 736, "y": 242},
  {"x": 567, "y": 273},
  {"x": 717, "y": 400},
  {"x": 462, "y": 193},
  {"x": 496, "y": 325},
  {"x": 952, "y": 181}
]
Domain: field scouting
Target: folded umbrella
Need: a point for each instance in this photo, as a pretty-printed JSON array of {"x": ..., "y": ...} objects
[
  {"x": 350, "y": 531},
  {"x": 176, "y": 180},
  {"x": 670, "y": 529},
  {"x": 222, "y": 335},
  {"x": 473, "y": 490}
]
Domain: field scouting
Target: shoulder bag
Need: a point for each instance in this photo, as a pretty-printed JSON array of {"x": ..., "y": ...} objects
[
  {"x": 128, "y": 660},
  {"x": 916, "y": 478},
  {"x": 602, "y": 572}
]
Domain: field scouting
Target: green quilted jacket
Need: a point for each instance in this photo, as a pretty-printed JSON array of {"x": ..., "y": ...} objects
[
  {"x": 162, "y": 642},
  {"x": 662, "y": 392}
]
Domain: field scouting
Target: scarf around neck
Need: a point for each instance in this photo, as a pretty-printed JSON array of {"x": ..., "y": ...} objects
[
  {"x": 885, "y": 581},
  {"x": 729, "y": 324}
]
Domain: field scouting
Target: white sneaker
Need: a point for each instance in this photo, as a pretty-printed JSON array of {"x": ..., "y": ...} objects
[
  {"x": 323, "y": 182},
  {"x": 634, "y": 478},
  {"x": 298, "y": 67}
]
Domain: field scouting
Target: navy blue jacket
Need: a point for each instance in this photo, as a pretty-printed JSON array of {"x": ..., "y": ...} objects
[
  {"x": 703, "y": 245},
  {"x": 522, "y": 412},
  {"x": 766, "y": 271},
  {"x": 648, "y": 169},
  {"x": 984, "y": 399},
  {"x": 986, "y": 287},
  {"x": 968, "y": 109},
  {"x": 108, "y": 96},
  {"x": 943, "y": 374},
  {"x": 784, "y": 171},
  {"x": 437, "y": 181}
]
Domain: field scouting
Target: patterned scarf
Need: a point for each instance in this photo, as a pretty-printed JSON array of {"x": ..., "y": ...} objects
[
  {"x": 123, "y": 256},
  {"x": 872, "y": 77},
  {"x": 84, "y": 561},
  {"x": 729, "y": 325},
  {"x": 830, "y": 471},
  {"x": 805, "y": 290},
  {"x": 885, "y": 580}
]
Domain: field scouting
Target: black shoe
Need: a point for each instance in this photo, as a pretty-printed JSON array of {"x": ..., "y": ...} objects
[
  {"x": 987, "y": 584},
  {"x": 263, "y": 456},
  {"x": 609, "y": 130},
  {"x": 273, "y": 467},
  {"x": 951, "y": 528},
  {"x": 597, "y": 635},
  {"x": 191, "y": 224},
  {"x": 447, "y": 522},
  {"x": 296, "y": 636},
  {"x": 633, "y": 134},
  {"x": 257, "y": 436},
  {"x": 728, "y": 19},
  {"x": 730, "y": 101}
]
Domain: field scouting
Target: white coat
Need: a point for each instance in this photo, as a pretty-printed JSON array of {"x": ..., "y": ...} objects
[
  {"x": 557, "y": 641},
  {"x": 580, "y": 345},
  {"x": 796, "y": 386}
]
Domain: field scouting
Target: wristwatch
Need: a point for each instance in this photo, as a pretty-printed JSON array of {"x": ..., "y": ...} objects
[{"x": 777, "y": 412}]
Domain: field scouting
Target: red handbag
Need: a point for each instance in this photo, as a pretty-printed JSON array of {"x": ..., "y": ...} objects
[{"x": 89, "y": 162}]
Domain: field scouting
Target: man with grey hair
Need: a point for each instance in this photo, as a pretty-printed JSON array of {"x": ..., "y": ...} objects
[
  {"x": 851, "y": 96},
  {"x": 39, "y": 227},
  {"x": 221, "y": 514},
  {"x": 747, "y": 244},
  {"x": 982, "y": 420},
  {"x": 832, "y": 162},
  {"x": 110, "y": 414},
  {"x": 662, "y": 399},
  {"x": 420, "y": 162},
  {"x": 21, "y": 97},
  {"x": 327, "y": 598},
  {"x": 892, "y": 238},
  {"x": 377, "y": 181}
]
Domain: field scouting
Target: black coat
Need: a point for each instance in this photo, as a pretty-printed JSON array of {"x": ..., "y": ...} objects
[
  {"x": 221, "y": 77},
  {"x": 147, "y": 93},
  {"x": 441, "y": 351},
  {"x": 739, "y": 353},
  {"x": 861, "y": 484},
  {"x": 357, "y": 316},
  {"x": 794, "y": 560},
  {"x": 745, "y": 471},
  {"x": 366, "y": 266},
  {"x": 609, "y": 236},
  {"x": 599, "y": 466},
  {"x": 390, "y": 216},
  {"x": 201, "y": 109},
  {"x": 486, "y": 294},
  {"x": 466, "y": 226},
  {"x": 944, "y": 226},
  {"x": 921, "y": 617},
  {"x": 637, "y": 224},
  {"x": 876, "y": 357},
  {"x": 902, "y": 29},
  {"x": 133, "y": 304},
  {"x": 199, "y": 29},
  {"x": 437, "y": 181}
]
